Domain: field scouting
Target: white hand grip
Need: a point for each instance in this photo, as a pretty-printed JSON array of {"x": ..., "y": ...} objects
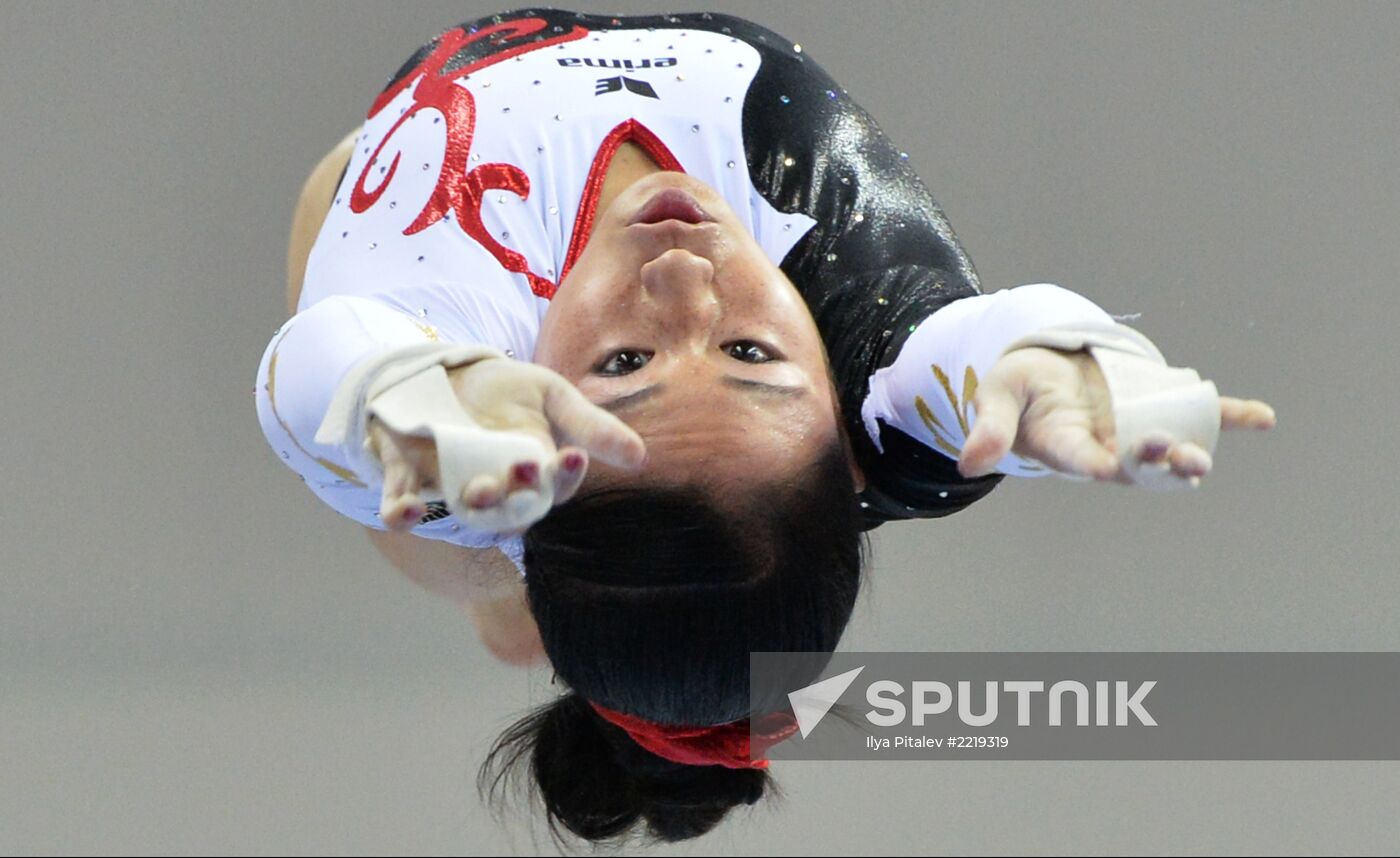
[
  {"x": 425, "y": 405},
  {"x": 1151, "y": 399},
  {"x": 1147, "y": 396}
]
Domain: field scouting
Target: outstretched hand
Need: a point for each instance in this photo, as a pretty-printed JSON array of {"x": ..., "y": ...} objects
[
  {"x": 1054, "y": 407},
  {"x": 505, "y": 395}
]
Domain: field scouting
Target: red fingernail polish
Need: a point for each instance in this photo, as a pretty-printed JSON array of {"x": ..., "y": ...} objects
[
  {"x": 573, "y": 461},
  {"x": 527, "y": 473}
]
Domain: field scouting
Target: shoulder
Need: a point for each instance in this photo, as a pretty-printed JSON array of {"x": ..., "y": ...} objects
[{"x": 310, "y": 212}]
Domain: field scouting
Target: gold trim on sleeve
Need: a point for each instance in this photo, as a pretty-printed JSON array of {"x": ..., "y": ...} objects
[
  {"x": 340, "y": 472},
  {"x": 942, "y": 437}
]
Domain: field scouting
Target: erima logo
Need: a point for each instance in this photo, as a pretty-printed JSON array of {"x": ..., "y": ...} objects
[
  {"x": 576, "y": 62},
  {"x": 613, "y": 84},
  {"x": 1066, "y": 700}
]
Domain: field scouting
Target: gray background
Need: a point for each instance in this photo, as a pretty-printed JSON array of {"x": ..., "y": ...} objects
[{"x": 194, "y": 655}]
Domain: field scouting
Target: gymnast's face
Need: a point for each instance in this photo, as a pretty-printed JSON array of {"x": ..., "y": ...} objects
[{"x": 694, "y": 338}]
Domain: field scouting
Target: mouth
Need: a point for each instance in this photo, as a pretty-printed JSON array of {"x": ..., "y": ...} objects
[{"x": 671, "y": 204}]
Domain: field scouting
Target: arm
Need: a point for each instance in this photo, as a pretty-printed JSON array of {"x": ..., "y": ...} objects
[
  {"x": 300, "y": 365},
  {"x": 1037, "y": 380},
  {"x": 483, "y": 582},
  {"x": 928, "y": 391}
]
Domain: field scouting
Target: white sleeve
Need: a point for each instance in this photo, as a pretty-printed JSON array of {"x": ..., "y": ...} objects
[
  {"x": 927, "y": 391},
  {"x": 301, "y": 371}
]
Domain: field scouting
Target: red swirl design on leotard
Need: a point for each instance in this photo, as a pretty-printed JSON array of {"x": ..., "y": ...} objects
[{"x": 459, "y": 190}]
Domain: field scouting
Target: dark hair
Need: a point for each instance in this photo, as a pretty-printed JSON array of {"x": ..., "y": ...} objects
[{"x": 649, "y": 601}]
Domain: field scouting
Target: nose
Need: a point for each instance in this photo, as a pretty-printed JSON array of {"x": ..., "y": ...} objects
[{"x": 681, "y": 283}]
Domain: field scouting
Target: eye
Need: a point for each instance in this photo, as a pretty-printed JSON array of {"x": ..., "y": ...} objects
[
  {"x": 608, "y": 367},
  {"x": 747, "y": 351}
]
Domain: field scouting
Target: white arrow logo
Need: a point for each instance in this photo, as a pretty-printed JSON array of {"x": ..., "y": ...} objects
[{"x": 811, "y": 704}]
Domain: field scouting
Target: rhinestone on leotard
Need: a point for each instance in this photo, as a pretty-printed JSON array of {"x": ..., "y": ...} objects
[{"x": 784, "y": 99}]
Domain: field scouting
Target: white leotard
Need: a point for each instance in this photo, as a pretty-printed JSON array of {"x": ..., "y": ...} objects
[{"x": 469, "y": 195}]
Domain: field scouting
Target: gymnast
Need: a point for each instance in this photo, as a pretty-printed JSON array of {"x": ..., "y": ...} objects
[{"x": 623, "y": 333}]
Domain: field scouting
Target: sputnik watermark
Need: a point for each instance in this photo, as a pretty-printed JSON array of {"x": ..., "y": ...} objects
[
  {"x": 886, "y": 696},
  {"x": 1084, "y": 705}
]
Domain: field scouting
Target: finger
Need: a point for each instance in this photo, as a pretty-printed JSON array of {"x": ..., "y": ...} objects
[
  {"x": 580, "y": 422},
  {"x": 523, "y": 475},
  {"x": 998, "y": 417},
  {"x": 400, "y": 506},
  {"x": 1246, "y": 414},
  {"x": 1075, "y": 450},
  {"x": 483, "y": 492},
  {"x": 568, "y": 476},
  {"x": 1189, "y": 460},
  {"x": 1154, "y": 448}
]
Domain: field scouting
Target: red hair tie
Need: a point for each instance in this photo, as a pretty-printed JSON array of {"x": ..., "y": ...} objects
[{"x": 727, "y": 745}]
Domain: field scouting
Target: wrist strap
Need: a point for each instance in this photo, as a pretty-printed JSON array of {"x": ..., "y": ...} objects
[{"x": 346, "y": 422}]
